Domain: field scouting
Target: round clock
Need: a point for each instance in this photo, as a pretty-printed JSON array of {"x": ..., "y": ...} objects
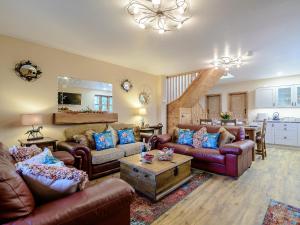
[{"x": 126, "y": 85}]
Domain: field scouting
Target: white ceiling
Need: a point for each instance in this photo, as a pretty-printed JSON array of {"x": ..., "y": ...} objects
[{"x": 101, "y": 29}]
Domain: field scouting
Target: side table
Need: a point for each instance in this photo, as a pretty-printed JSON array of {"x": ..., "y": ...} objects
[{"x": 41, "y": 143}]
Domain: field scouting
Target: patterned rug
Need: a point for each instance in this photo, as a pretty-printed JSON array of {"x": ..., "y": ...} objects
[
  {"x": 143, "y": 211},
  {"x": 281, "y": 214}
]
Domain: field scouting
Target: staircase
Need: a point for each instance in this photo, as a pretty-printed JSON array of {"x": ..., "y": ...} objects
[{"x": 184, "y": 93}]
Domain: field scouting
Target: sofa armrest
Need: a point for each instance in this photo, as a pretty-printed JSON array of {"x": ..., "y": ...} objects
[
  {"x": 164, "y": 138},
  {"x": 236, "y": 148},
  {"x": 97, "y": 204},
  {"x": 81, "y": 153}
]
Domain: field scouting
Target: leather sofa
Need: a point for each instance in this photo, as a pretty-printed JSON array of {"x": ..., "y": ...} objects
[
  {"x": 231, "y": 159},
  {"x": 98, "y": 163},
  {"x": 106, "y": 203}
]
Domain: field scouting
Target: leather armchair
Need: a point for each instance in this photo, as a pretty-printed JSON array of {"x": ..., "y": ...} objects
[{"x": 105, "y": 203}]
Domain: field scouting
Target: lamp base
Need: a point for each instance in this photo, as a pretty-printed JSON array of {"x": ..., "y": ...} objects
[{"x": 35, "y": 138}]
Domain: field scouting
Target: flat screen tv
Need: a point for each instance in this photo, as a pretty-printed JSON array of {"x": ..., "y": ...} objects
[{"x": 66, "y": 98}]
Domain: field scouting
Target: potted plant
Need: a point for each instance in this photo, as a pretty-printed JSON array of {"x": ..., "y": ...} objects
[{"x": 225, "y": 115}]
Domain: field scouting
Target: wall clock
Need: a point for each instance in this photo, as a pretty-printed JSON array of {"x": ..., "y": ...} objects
[
  {"x": 28, "y": 71},
  {"x": 126, "y": 85}
]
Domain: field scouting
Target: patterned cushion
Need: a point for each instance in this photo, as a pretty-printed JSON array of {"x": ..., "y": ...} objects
[
  {"x": 124, "y": 126},
  {"x": 103, "y": 140},
  {"x": 185, "y": 137},
  {"x": 211, "y": 140},
  {"x": 126, "y": 136},
  {"x": 199, "y": 137},
  {"x": 52, "y": 182},
  {"x": 22, "y": 153},
  {"x": 81, "y": 139},
  {"x": 114, "y": 134},
  {"x": 225, "y": 137},
  {"x": 107, "y": 155},
  {"x": 45, "y": 157},
  {"x": 90, "y": 136},
  {"x": 130, "y": 149}
]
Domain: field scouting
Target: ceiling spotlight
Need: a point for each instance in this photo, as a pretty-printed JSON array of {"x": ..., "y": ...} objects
[
  {"x": 161, "y": 31},
  {"x": 141, "y": 25},
  {"x": 179, "y": 25}
]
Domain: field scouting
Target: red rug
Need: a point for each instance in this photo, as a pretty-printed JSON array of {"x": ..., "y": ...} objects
[
  {"x": 281, "y": 214},
  {"x": 144, "y": 211}
]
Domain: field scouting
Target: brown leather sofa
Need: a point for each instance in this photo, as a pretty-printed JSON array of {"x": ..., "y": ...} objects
[
  {"x": 98, "y": 163},
  {"x": 107, "y": 203},
  {"x": 231, "y": 159}
]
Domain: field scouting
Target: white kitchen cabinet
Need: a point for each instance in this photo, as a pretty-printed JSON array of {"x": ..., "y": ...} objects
[
  {"x": 265, "y": 97},
  {"x": 284, "y": 96},
  {"x": 270, "y": 136},
  {"x": 286, "y": 134},
  {"x": 281, "y": 133},
  {"x": 278, "y": 97}
]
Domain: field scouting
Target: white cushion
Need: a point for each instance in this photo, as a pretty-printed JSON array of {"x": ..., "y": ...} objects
[
  {"x": 52, "y": 182},
  {"x": 131, "y": 149},
  {"x": 107, "y": 155}
]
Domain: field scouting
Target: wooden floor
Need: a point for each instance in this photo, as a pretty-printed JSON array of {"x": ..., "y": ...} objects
[{"x": 223, "y": 200}]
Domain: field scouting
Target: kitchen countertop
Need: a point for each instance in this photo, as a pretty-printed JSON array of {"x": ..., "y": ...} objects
[{"x": 282, "y": 121}]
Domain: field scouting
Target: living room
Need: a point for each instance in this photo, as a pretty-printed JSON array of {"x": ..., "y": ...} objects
[{"x": 170, "y": 119}]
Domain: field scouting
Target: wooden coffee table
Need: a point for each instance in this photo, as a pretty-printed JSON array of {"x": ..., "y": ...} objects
[{"x": 157, "y": 179}]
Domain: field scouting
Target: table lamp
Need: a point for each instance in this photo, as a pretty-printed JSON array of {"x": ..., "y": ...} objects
[
  {"x": 142, "y": 112},
  {"x": 33, "y": 120}
]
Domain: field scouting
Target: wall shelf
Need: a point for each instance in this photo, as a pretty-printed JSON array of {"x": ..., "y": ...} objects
[{"x": 84, "y": 118}]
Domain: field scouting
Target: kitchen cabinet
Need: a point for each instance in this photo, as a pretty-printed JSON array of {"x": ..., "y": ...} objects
[
  {"x": 265, "y": 97},
  {"x": 278, "y": 97},
  {"x": 284, "y": 96},
  {"x": 281, "y": 133}
]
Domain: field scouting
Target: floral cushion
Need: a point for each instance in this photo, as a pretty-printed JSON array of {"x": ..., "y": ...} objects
[
  {"x": 103, "y": 140},
  {"x": 23, "y": 153},
  {"x": 199, "y": 137},
  {"x": 185, "y": 137},
  {"x": 126, "y": 136},
  {"x": 45, "y": 157},
  {"x": 52, "y": 182},
  {"x": 211, "y": 140}
]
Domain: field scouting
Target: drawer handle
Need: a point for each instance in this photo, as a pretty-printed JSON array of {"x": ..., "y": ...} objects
[
  {"x": 285, "y": 128},
  {"x": 135, "y": 170},
  {"x": 285, "y": 138},
  {"x": 176, "y": 171}
]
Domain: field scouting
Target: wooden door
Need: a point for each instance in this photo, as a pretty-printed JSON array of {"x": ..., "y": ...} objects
[
  {"x": 185, "y": 115},
  {"x": 238, "y": 105},
  {"x": 213, "y": 105}
]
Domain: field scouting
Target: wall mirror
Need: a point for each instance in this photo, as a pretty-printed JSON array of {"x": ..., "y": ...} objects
[{"x": 75, "y": 95}]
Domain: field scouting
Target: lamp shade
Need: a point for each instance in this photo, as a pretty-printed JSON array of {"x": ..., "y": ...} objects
[
  {"x": 31, "y": 119},
  {"x": 142, "y": 112}
]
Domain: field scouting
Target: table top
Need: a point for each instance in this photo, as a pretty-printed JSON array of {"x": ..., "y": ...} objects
[
  {"x": 156, "y": 167},
  {"x": 39, "y": 141}
]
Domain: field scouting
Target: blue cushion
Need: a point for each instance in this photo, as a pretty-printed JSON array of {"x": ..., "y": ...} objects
[
  {"x": 103, "y": 140},
  {"x": 126, "y": 136},
  {"x": 185, "y": 137},
  {"x": 211, "y": 140}
]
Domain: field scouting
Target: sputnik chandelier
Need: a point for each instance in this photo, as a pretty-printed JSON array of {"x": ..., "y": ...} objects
[
  {"x": 227, "y": 62},
  {"x": 159, "y": 15}
]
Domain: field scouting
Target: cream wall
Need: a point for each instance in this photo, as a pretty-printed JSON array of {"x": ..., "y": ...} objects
[
  {"x": 18, "y": 96},
  {"x": 250, "y": 87}
]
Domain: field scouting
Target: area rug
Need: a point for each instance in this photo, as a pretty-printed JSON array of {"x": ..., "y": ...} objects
[
  {"x": 281, "y": 214},
  {"x": 143, "y": 211}
]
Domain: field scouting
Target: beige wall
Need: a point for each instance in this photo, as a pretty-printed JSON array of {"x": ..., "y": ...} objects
[
  {"x": 18, "y": 96},
  {"x": 250, "y": 87}
]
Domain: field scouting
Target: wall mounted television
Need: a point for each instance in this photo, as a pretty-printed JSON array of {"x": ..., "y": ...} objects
[{"x": 65, "y": 98}]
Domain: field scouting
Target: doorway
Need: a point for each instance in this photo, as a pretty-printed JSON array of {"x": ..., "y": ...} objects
[
  {"x": 213, "y": 106},
  {"x": 238, "y": 105}
]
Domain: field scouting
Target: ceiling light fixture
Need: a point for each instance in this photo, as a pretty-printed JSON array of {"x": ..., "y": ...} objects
[
  {"x": 227, "y": 62},
  {"x": 159, "y": 15}
]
